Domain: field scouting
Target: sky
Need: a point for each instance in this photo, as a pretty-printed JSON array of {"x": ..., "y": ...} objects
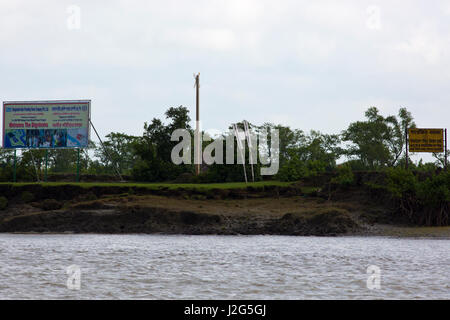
[{"x": 306, "y": 64}]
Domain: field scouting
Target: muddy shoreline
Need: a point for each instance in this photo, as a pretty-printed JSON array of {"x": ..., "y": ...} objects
[{"x": 269, "y": 210}]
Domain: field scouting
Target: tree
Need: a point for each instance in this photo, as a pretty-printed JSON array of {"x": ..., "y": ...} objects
[
  {"x": 318, "y": 146},
  {"x": 311, "y": 155},
  {"x": 234, "y": 172},
  {"x": 153, "y": 149},
  {"x": 119, "y": 152},
  {"x": 6, "y": 157},
  {"x": 288, "y": 139},
  {"x": 6, "y": 164},
  {"x": 378, "y": 141}
]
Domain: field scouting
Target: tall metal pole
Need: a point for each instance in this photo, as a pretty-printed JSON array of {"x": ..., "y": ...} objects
[
  {"x": 15, "y": 163},
  {"x": 250, "y": 146},
  {"x": 406, "y": 137},
  {"x": 241, "y": 149},
  {"x": 106, "y": 151},
  {"x": 78, "y": 165},
  {"x": 198, "y": 147},
  {"x": 445, "y": 151}
]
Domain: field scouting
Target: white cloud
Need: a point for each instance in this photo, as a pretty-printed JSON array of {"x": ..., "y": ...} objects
[
  {"x": 214, "y": 39},
  {"x": 312, "y": 47},
  {"x": 425, "y": 43}
]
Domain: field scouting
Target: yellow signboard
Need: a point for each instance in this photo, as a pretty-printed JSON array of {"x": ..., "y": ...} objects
[{"x": 426, "y": 140}]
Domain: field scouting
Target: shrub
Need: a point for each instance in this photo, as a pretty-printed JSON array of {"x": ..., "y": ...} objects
[
  {"x": 401, "y": 182},
  {"x": 3, "y": 203},
  {"x": 90, "y": 197},
  {"x": 314, "y": 168},
  {"x": 433, "y": 195},
  {"x": 295, "y": 169},
  {"x": 27, "y": 197},
  {"x": 51, "y": 204},
  {"x": 185, "y": 177},
  {"x": 423, "y": 201},
  {"x": 291, "y": 171},
  {"x": 345, "y": 176}
]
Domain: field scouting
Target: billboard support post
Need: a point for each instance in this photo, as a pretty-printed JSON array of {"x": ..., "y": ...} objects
[
  {"x": 106, "y": 152},
  {"x": 46, "y": 165},
  {"x": 78, "y": 165},
  {"x": 198, "y": 148},
  {"x": 15, "y": 161},
  {"x": 445, "y": 151},
  {"x": 250, "y": 146},
  {"x": 406, "y": 137},
  {"x": 240, "y": 148}
]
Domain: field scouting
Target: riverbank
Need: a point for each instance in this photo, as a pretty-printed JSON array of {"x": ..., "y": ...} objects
[{"x": 228, "y": 209}]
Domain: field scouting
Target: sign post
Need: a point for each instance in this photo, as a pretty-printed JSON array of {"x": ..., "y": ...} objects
[
  {"x": 406, "y": 137},
  {"x": 46, "y": 165},
  {"x": 14, "y": 170},
  {"x": 78, "y": 165}
]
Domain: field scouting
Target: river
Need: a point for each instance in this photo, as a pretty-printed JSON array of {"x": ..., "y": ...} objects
[{"x": 93, "y": 266}]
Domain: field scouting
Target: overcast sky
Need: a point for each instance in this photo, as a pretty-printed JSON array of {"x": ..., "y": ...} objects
[{"x": 306, "y": 64}]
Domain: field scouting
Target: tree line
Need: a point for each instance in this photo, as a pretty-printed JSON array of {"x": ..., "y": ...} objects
[{"x": 375, "y": 143}]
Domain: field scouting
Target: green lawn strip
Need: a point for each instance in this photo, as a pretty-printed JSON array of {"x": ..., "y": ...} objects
[{"x": 231, "y": 185}]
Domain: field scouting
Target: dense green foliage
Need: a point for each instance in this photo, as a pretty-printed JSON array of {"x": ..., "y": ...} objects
[
  {"x": 3, "y": 203},
  {"x": 345, "y": 177},
  {"x": 379, "y": 141},
  {"x": 153, "y": 149},
  {"x": 423, "y": 197},
  {"x": 373, "y": 144}
]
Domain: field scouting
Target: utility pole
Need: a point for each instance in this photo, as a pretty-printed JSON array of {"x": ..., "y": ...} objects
[
  {"x": 197, "y": 143},
  {"x": 445, "y": 151}
]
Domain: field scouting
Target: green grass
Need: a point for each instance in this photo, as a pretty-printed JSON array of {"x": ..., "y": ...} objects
[{"x": 230, "y": 185}]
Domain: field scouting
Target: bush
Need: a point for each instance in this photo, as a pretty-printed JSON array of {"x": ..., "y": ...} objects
[
  {"x": 3, "y": 203},
  {"x": 433, "y": 195},
  {"x": 314, "y": 168},
  {"x": 27, "y": 197},
  {"x": 291, "y": 171},
  {"x": 423, "y": 201},
  {"x": 51, "y": 204},
  {"x": 345, "y": 177},
  {"x": 185, "y": 177},
  {"x": 401, "y": 182},
  {"x": 295, "y": 169},
  {"x": 356, "y": 165},
  {"x": 435, "y": 190}
]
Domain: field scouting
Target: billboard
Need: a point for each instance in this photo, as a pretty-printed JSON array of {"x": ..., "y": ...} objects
[
  {"x": 46, "y": 124},
  {"x": 426, "y": 140}
]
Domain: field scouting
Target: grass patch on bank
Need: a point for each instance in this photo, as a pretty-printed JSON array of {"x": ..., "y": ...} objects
[
  {"x": 418, "y": 232},
  {"x": 155, "y": 186}
]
